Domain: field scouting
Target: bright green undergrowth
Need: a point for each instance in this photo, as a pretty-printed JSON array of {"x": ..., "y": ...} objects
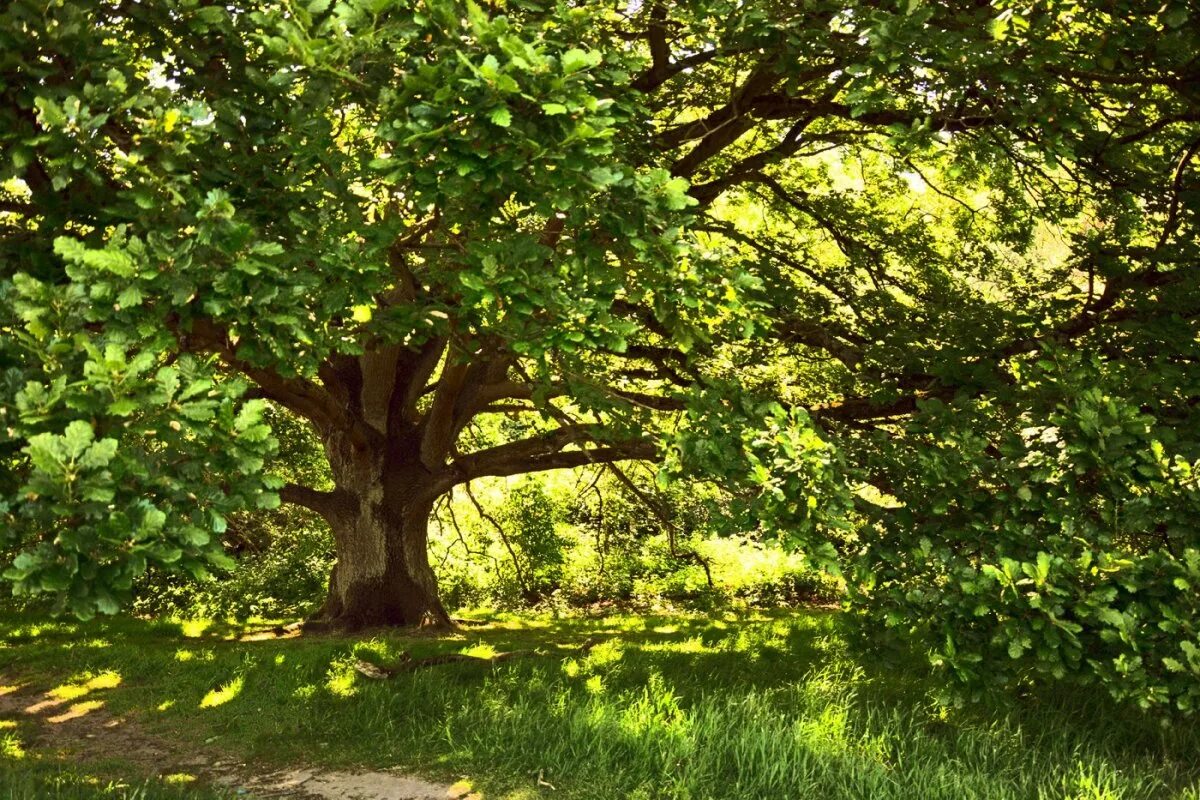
[{"x": 685, "y": 707}]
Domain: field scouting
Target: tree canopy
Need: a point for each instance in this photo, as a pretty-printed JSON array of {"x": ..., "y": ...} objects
[{"x": 915, "y": 280}]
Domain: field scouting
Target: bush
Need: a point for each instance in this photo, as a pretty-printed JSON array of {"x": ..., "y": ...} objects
[
  {"x": 1065, "y": 550},
  {"x": 566, "y": 539},
  {"x": 283, "y": 561},
  {"x": 543, "y": 541}
]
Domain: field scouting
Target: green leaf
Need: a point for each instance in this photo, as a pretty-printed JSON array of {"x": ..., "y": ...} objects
[
  {"x": 123, "y": 407},
  {"x": 46, "y": 453},
  {"x": 77, "y": 438},
  {"x": 251, "y": 414},
  {"x": 117, "y": 262},
  {"x": 676, "y": 194},
  {"x": 490, "y": 67},
  {"x": 130, "y": 296},
  {"x": 153, "y": 519},
  {"x": 50, "y": 113},
  {"x": 575, "y": 60},
  {"x": 221, "y": 560},
  {"x": 167, "y": 554},
  {"x": 1176, "y": 17},
  {"x": 99, "y": 454},
  {"x": 21, "y": 157},
  {"x": 605, "y": 176},
  {"x": 472, "y": 281},
  {"x": 501, "y": 117},
  {"x": 196, "y": 537},
  {"x": 105, "y": 603},
  {"x": 268, "y": 501}
]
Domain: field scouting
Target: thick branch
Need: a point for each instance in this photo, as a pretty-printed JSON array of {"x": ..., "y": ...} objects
[
  {"x": 546, "y": 452},
  {"x": 410, "y": 382},
  {"x": 516, "y": 390},
  {"x": 777, "y": 106},
  {"x": 864, "y": 408},
  {"x": 638, "y": 451},
  {"x": 727, "y": 125},
  {"x": 1101, "y": 312},
  {"x": 655, "y": 77},
  {"x": 296, "y": 394},
  {"x": 330, "y": 505},
  {"x": 14, "y": 207},
  {"x": 439, "y": 421},
  {"x": 660, "y": 51}
]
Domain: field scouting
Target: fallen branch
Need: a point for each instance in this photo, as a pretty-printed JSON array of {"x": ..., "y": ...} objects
[{"x": 409, "y": 664}]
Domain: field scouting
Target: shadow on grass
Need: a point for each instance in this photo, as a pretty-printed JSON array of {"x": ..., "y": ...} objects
[{"x": 724, "y": 705}]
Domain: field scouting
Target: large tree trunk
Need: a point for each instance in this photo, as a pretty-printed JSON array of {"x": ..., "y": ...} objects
[
  {"x": 380, "y": 530},
  {"x": 392, "y": 454}
]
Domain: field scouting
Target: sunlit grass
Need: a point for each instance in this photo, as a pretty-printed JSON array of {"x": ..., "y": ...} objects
[
  {"x": 75, "y": 711},
  {"x": 11, "y": 747},
  {"x": 224, "y": 694},
  {"x": 480, "y": 650},
  {"x": 30, "y": 780},
  {"x": 83, "y": 686},
  {"x": 341, "y": 679},
  {"x": 699, "y": 707},
  {"x": 194, "y": 628}
]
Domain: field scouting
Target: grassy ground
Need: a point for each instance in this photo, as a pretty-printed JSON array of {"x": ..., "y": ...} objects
[
  {"x": 65, "y": 782},
  {"x": 27, "y": 773},
  {"x": 46, "y": 772},
  {"x": 720, "y": 706}
]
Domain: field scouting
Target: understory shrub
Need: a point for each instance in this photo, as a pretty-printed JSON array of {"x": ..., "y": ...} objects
[
  {"x": 282, "y": 565},
  {"x": 1061, "y": 550},
  {"x": 508, "y": 545},
  {"x": 544, "y": 542}
]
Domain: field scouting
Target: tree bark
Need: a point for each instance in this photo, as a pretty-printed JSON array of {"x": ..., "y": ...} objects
[
  {"x": 380, "y": 530},
  {"x": 391, "y": 460}
]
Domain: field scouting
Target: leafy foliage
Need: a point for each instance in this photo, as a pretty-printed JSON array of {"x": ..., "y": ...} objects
[
  {"x": 148, "y": 488},
  {"x": 1066, "y": 548}
]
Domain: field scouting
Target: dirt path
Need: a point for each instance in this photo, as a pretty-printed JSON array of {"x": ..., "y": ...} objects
[{"x": 77, "y": 726}]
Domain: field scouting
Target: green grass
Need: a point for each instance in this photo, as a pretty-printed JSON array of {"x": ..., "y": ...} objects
[
  {"x": 72, "y": 783},
  {"x": 27, "y": 774},
  {"x": 719, "y": 706},
  {"x": 42, "y": 773}
]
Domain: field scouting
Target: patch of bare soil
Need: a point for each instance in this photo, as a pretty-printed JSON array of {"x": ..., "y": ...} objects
[{"x": 78, "y": 728}]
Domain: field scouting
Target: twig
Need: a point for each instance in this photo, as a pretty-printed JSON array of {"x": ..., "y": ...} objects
[{"x": 665, "y": 519}]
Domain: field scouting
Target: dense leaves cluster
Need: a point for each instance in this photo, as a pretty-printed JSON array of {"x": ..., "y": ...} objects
[
  {"x": 788, "y": 481},
  {"x": 1050, "y": 535},
  {"x": 101, "y": 503}
]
